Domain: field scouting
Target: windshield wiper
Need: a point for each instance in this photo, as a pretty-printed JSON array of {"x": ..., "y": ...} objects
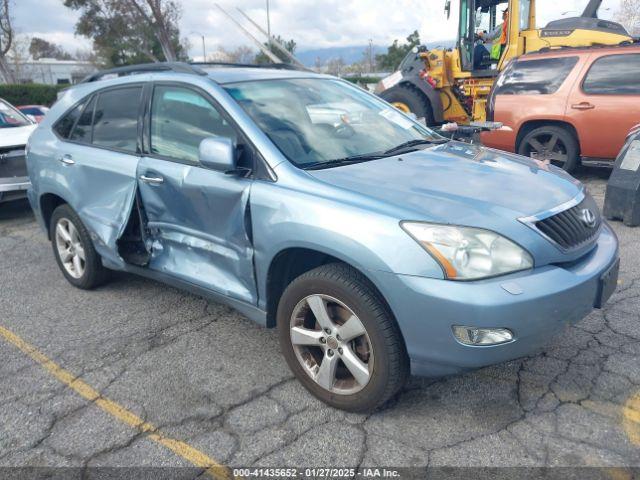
[
  {"x": 342, "y": 161},
  {"x": 412, "y": 143}
]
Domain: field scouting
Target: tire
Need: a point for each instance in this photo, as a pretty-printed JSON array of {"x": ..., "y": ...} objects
[
  {"x": 556, "y": 144},
  {"x": 381, "y": 364},
  {"x": 91, "y": 272},
  {"x": 413, "y": 99}
]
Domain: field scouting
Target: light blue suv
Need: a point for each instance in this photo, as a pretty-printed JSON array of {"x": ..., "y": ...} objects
[{"x": 375, "y": 246}]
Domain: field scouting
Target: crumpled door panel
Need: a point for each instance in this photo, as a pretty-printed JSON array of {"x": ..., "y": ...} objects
[
  {"x": 103, "y": 182},
  {"x": 196, "y": 223}
]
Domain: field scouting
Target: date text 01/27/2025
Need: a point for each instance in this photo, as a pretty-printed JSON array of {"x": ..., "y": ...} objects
[{"x": 321, "y": 472}]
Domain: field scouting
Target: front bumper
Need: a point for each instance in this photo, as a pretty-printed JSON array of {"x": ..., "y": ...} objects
[
  {"x": 504, "y": 139},
  {"x": 546, "y": 300}
]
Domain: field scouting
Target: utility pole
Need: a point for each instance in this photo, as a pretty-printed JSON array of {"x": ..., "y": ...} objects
[
  {"x": 204, "y": 51},
  {"x": 258, "y": 44},
  {"x": 370, "y": 55},
  {"x": 272, "y": 41}
]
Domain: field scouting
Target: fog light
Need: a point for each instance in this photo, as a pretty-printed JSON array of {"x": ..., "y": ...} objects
[{"x": 482, "y": 336}]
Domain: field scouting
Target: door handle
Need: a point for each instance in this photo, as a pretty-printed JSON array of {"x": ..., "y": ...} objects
[
  {"x": 152, "y": 180},
  {"x": 66, "y": 159},
  {"x": 583, "y": 106}
]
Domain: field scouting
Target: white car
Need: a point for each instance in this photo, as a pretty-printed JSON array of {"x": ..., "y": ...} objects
[{"x": 15, "y": 129}]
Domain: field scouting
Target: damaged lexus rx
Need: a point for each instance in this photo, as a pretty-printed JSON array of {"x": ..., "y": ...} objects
[{"x": 377, "y": 248}]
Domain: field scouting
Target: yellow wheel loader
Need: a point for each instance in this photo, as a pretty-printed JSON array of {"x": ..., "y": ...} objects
[{"x": 452, "y": 85}]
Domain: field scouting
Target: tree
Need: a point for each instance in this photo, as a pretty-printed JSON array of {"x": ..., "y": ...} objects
[
  {"x": 242, "y": 54},
  {"x": 6, "y": 39},
  {"x": 368, "y": 58},
  {"x": 335, "y": 66},
  {"x": 41, "y": 48},
  {"x": 629, "y": 16},
  {"x": 18, "y": 55},
  {"x": 396, "y": 52},
  {"x": 289, "y": 45},
  {"x": 131, "y": 31}
]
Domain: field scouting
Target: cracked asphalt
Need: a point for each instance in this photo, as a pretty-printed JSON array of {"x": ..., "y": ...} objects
[{"x": 206, "y": 375}]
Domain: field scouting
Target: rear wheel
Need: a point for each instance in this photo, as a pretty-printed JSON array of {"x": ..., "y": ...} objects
[
  {"x": 409, "y": 99},
  {"x": 72, "y": 246},
  {"x": 553, "y": 144},
  {"x": 340, "y": 341}
]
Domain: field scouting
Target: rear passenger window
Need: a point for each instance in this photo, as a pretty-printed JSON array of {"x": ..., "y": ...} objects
[
  {"x": 115, "y": 123},
  {"x": 82, "y": 132},
  {"x": 65, "y": 124},
  {"x": 614, "y": 75},
  {"x": 530, "y": 77}
]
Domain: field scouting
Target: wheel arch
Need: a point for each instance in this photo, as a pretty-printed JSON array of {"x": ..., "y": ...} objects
[
  {"x": 48, "y": 202},
  {"x": 291, "y": 262},
  {"x": 531, "y": 125}
]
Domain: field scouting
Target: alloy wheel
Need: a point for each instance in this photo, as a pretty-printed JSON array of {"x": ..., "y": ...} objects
[
  {"x": 331, "y": 344},
  {"x": 70, "y": 248},
  {"x": 547, "y": 147}
]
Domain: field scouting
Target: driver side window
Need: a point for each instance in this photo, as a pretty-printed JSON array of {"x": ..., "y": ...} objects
[{"x": 180, "y": 119}]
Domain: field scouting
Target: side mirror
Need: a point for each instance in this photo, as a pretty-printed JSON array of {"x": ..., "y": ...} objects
[
  {"x": 447, "y": 8},
  {"x": 218, "y": 153}
]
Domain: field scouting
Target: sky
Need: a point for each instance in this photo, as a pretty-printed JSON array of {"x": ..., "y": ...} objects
[{"x": 313, "y": 24}]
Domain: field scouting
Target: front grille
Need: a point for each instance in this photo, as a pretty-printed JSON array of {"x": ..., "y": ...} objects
[
  {"x": 12, "y": 162},
  {"x": 571, "y": 228}
]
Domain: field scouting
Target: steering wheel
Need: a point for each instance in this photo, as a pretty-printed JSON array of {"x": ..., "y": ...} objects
[{"x": 344, "y": 130}]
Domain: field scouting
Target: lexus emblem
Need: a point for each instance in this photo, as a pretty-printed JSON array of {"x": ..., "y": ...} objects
[{"x": 588, "y": 218}]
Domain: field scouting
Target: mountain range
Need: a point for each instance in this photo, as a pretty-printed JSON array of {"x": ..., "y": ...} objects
[{"x": 351, "y": 54}]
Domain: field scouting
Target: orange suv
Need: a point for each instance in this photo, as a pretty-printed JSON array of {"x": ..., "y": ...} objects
[{"x": 567, "y": 106}]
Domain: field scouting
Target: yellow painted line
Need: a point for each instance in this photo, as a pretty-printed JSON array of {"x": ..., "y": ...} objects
[
  {"x": 631, "y": 418},
  {"x": 182, "y": 449}
]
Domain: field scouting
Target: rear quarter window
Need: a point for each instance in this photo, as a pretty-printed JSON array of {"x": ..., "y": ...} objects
[
  {"x": 535, "y": 77},
  {"x": 115, "y": 121},
  {"x": 614, "y": 75},
  {"x": 64, "y": 126}
]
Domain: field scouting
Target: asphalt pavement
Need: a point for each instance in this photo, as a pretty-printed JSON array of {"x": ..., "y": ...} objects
[{"x": 138, "y": 374}]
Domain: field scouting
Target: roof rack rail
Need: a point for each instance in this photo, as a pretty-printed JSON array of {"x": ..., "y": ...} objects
[
  {"x": 277, "y": 66},
  {"x": 178, "y": 67}
]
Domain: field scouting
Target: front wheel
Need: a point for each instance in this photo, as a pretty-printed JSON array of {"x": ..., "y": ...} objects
[
  {"x": 552, "y": 144},
  {"x": 409, "y": 99},
  {"x": 339, "y": 339}
]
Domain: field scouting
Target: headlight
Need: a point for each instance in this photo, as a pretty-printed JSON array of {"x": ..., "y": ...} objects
[{"x": 466, "y": 253}]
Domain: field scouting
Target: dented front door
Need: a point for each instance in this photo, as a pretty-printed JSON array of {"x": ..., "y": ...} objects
[{"x": 197, "y": 221}]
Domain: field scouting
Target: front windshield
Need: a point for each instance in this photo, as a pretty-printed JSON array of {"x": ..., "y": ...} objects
[
  {"x": 10, "y": 117},
  {"x": 316, "y": 121}
]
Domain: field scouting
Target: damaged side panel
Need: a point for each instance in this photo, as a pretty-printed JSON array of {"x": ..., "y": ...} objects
[
  {"x": 101, "y": 186},
  {"x": 196, "y": 226}
]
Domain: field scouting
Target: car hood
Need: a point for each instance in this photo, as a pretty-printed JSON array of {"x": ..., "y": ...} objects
[
  {"x": 457, "y": 183},
  {"x": 15, "y": 136}
]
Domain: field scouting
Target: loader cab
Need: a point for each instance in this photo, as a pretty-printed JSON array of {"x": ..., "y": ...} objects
[
  {"x": 478, "y": 20},
  {"x": 480, "y": 16}
]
